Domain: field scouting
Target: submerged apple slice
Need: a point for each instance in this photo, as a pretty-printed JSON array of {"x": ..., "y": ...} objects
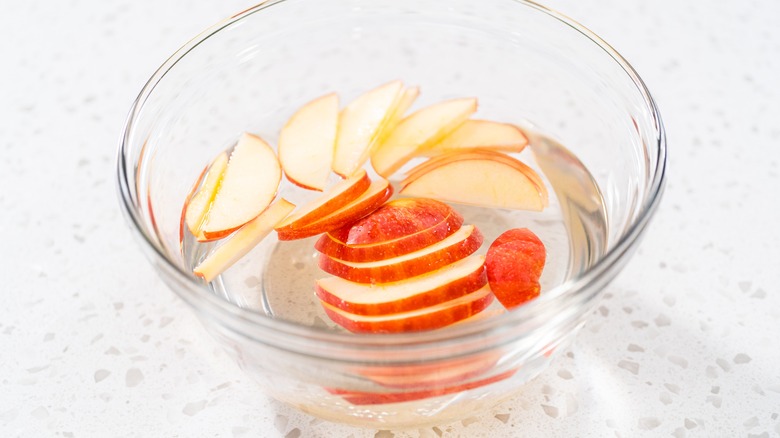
[
  {"x": 485, "y": 182},
  {"x": 445, "y": 284},
  {"x": 377, "y": 193},
  {"x": 360, "y": 123},
  {"x": 359, "y": 398},
  {"x": 455, "y": 247},
  {"x": 515, "y": 261},
  {"x": 399, "y": 227},
  {"x": 419, "y": 131},
  {"x": 243, "y": 240},
  {"x": 480, "y": 134},
  {"x": 341, "y": 194},
  {"x": 247, "y": 187},
  {"x": 429, "y": 318},
  {"x": 307, "y": 140},
  {"x": 432, "y": 375}
]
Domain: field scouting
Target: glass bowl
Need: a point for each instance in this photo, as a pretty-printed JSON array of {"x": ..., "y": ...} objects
[{"x": 525, "y": 63}]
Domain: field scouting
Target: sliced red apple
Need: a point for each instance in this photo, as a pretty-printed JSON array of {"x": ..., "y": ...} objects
[
  {"x": 480, "y": 134},
  {"x": 307, "y": 140},
  {"x": 429, "y": 318},
  {"x": 243, "y": 240},
  {"x": 247, "y": 187},
  {"x": 484, "y": 182},
  {"x": 200, "y": 201},
  {"x": 377, "y": 193},
  {"x": 419, "y": 131},
  {"x": 399, "y": 227},
  {"x": 455, "y": 247},
  {"x": 360, "y": 123},
  {"x": 445, "y": 284},
  {"x": 359, "y": 398},
  {"x": 341, "y": 194},
  {"x": 515, "y": 262}
]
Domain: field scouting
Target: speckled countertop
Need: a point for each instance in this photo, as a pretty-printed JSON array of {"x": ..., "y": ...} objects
[{"x": 92, "y": 344}]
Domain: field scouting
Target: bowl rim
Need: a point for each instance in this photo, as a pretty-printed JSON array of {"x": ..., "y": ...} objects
[{"x": 251, "y": 324}]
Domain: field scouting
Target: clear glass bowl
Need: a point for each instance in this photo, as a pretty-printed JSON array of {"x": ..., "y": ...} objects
[{"x": 521, "y": 60}]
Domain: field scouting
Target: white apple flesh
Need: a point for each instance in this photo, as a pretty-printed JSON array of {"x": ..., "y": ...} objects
[
  {"x": 307, "y": 141},
  {"x": 418, "y": 131},
  {"x": 248, "y": 186},
  {"x": 360, "y": 123}
]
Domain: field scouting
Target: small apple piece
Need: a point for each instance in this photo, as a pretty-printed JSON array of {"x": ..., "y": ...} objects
[
  {"x": 243, "y": 240},
  {"x": 360, "y": 123},
  {"x": 341, "y": 194},
  {"x": 419, "y": 131},
  {"x": 247, "y": 187},
  {"x": 480, "y": 134},
  {"x": 198, "y": 205},
  {"x": 399, "y": 227},
  {"x": 429, "y": 318},
  {"x": 445, "y": 284},
  {"x": 455, "y": 247},
  {"x": 484, "y": 182},
  {"x": 515, "y": 262},
  {"x": 377, "y": 193},
  {"x": 307, "y": 140}
]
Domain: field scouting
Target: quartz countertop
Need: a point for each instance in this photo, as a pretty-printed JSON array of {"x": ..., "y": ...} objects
[{"x": 683, "y": 344}]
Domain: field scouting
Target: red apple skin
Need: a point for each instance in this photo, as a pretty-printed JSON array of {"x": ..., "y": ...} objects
[
  {"x": 338, "y": 218},
  {"x": 399, "y": 227},
  {"x": 406, "y": 269},
  {"x": 379, "y": 398},
  {"x": 425, "y": 321},
  {"x": 514, "y": 263},
  {"x": 444, "y": 293}
]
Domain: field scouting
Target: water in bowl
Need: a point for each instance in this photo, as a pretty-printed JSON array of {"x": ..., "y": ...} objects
[{"x": 277, "y": 278}]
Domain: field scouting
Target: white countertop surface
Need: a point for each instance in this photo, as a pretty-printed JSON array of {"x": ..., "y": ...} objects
[{"x": 92, "y": 344}]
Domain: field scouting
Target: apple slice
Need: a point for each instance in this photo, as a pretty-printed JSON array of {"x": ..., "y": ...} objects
[
  {"x": 419, "y": 131},
  {"x": 243, "y": 240},
  {"x": 341, "y": 194},
  {"x": 377, "y": 193},
  {"x": 455, "y": 247},
  {"x": 447, "y": 283},
  {"x": 480, "y": 134},
  {"x": 429, "y": 318},
  {"x": 360, "y": 123},
  {"x": 359, "y": 398},
  {"x": 399, "y": 227},
  {"x": 484, "y": 182},
  {"x": 515, "y": 262},
  {"x": 198, "y": 205},
  {"x": 407, "y": 98},
  {"x": 307, "y": 140},
  {"x": 247, "y": 187},
  {"x": 473, "y": 154}
]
